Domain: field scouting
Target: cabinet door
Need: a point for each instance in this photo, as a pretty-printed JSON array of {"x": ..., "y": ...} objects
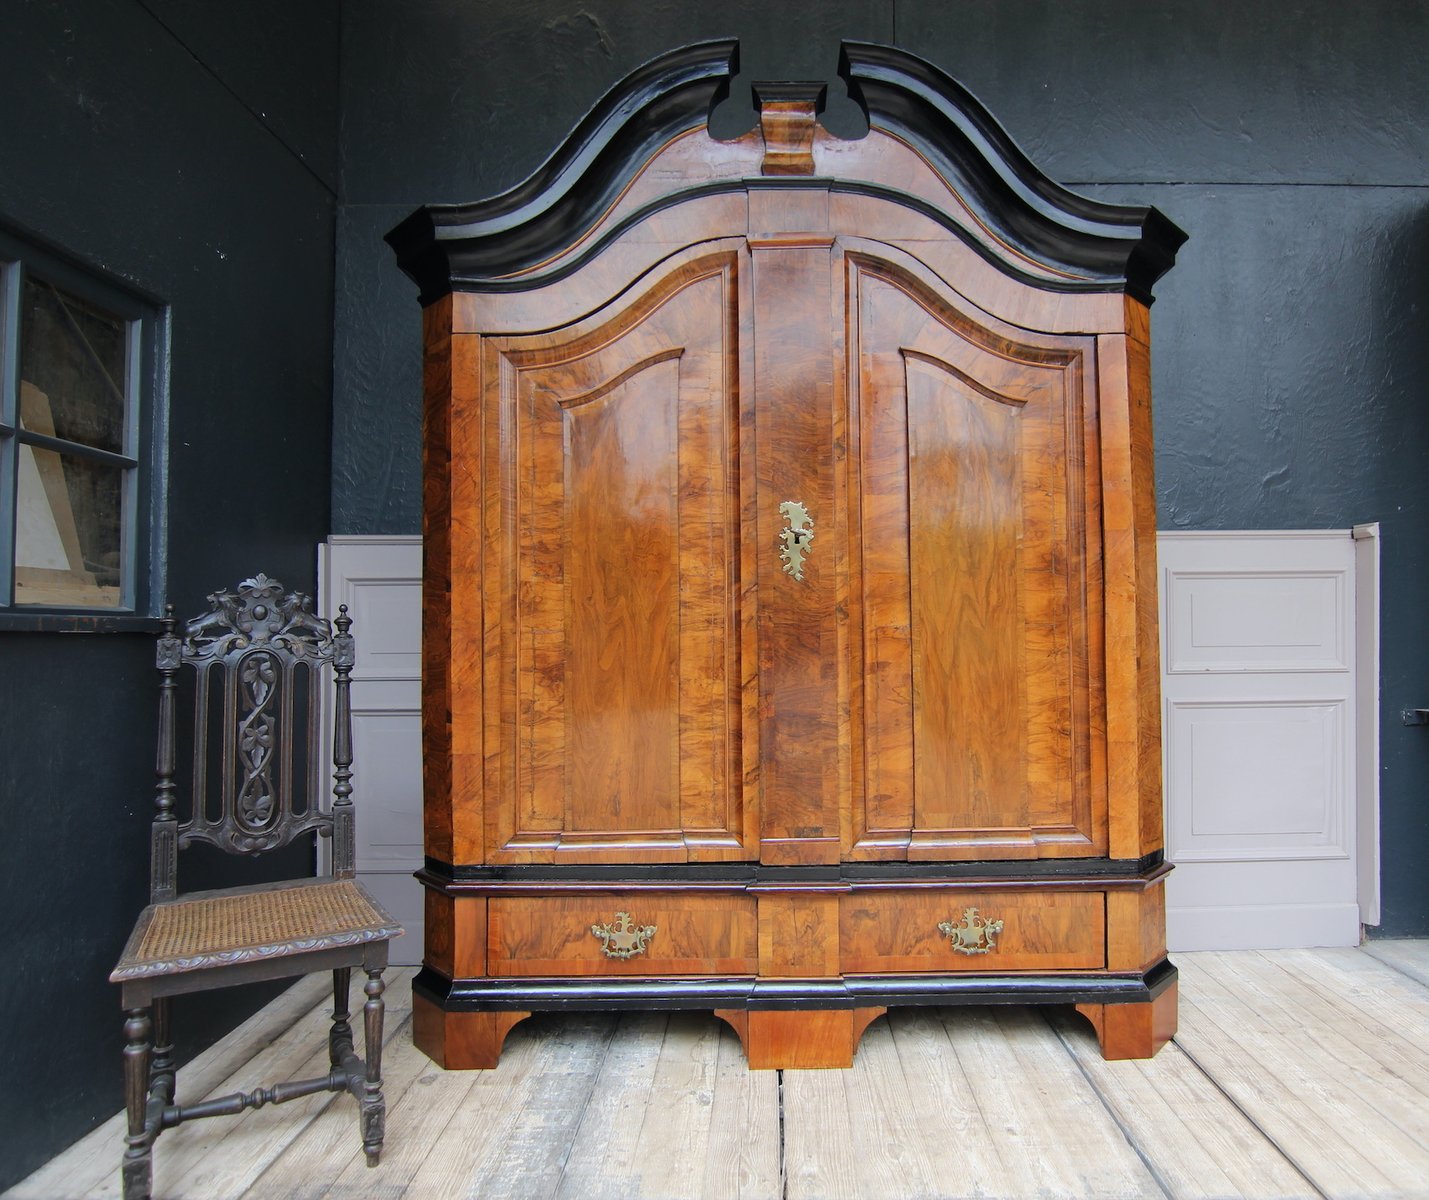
[
  {"x": 614, "y": 613},
  {"x": 980, "y": 594}
]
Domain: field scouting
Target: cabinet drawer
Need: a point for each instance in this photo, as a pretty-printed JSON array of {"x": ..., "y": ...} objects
[
  {"x": 898, "y": 930},
  {"x": 692, "y": 935}
]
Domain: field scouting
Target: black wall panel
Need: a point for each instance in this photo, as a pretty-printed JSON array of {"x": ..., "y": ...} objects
[
  {"x": 126, "y": 147},
  {"x": 1193, "y": 91},
  {"x": 449, "y": 100},
  {"x": 280, "y": 62}
]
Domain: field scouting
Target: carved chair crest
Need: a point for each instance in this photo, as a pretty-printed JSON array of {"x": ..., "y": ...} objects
[{"x": 257, "y": 658}]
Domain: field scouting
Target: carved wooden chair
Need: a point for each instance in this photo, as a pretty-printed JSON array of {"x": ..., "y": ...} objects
[{"x": 257, "y": 662}]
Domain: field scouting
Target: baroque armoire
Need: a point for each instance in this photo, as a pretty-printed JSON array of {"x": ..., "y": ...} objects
[{"x": 789, "y": 630}]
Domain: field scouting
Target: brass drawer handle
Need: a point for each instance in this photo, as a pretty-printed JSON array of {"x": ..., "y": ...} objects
[
  {"x": 973, "y": 934},
  {"x": 796, "y": 537},
  {"x": 623, "y": 939}
]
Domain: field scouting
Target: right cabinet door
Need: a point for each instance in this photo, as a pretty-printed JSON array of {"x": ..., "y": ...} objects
[{"x": 974, "y": 463}]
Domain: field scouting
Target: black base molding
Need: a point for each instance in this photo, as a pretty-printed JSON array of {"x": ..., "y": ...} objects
[
  {"x": 1092, "y": 870},
  {"x": 849, "y": 991}
]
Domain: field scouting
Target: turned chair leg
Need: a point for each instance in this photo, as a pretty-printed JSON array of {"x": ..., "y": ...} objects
[
  {"x": 138, "y": 1153},
  {"x": 162, "y": 1071},
  {"x": 374, "y": 1109},
  {"x": 339, "y": 1040}
]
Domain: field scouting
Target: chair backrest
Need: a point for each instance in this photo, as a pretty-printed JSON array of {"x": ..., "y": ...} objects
[{"x": 257, "y": 660}]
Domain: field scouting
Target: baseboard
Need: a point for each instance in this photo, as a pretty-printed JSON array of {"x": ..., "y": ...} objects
[{"x": 1262, "y": 927}]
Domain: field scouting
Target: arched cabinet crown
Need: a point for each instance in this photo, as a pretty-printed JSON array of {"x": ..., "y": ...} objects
[
  {"x": 790, "y": 641},
  {"x": 932, "y": 149}
]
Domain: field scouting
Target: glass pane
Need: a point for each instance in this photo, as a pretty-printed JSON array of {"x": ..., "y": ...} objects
[
  {"x": 72, "y": 367},
  {"x": 67, "y": 530}
]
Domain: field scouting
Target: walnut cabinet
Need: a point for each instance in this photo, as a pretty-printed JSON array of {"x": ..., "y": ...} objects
[{"x": 789, "y": 640}]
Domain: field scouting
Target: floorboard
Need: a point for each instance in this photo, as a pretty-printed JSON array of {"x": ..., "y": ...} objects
[
  {"x": 1192, "y": 1135},
  {"x": 1049, "y": 1122},
  {"x": 742, "y": 1161},
  {"x": 330, "y": 1141},
  {"x": 490, "y": 1143},
  {"x": 617, "y": 1137},
  {"x": 88, "y": 1168},
  {"x": 1407, "y": 957},
  {"x": 422, "y": 1113},
  {"x": 1294, "y": 1074},
  {"x": 220, "y": 1159},
  {"x": 1300, "y": 1076}
]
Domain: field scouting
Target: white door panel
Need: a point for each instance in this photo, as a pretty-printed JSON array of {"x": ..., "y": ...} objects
[
  {"x": 380, "y": 581},
  {"x": 389, "y": 613},
  {"x": 1256, "y": 779},
  {"x": 1255, "y": 622},
  {"x": 391, "y": 770},
  {"x": 1258, "y": 735}
]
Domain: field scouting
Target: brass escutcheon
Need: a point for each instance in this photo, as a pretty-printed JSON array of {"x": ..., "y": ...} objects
[
  {"x": 623, "y": 939},
  {"x": 795, "y": 539},
  {"x": 973, "y": 934}
]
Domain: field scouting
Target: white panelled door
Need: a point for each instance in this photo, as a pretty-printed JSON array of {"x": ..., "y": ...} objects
[
  {"x": 1259, "y": 738},
  {"x": 380, "y": 581}
]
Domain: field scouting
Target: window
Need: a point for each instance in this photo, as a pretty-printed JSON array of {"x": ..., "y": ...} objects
[{"x": 80, "y": 437}]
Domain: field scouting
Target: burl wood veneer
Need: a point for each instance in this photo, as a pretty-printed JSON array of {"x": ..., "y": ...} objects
[{"x": 790, "y": 619}]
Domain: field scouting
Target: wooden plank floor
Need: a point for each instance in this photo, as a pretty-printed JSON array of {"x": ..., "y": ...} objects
[{"x": 1295, "y": 1073}]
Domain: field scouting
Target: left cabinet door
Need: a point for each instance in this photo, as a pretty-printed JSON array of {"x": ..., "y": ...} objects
[{"x": 611, "y": 583}]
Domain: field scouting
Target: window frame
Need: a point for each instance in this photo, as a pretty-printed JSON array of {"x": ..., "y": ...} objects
[{"x": 142, "y": 454}]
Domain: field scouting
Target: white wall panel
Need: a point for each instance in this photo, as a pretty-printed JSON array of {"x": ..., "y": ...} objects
[
  {"x": 390, "y": 783},
  {"x": 389, "y": 613},
  {"x": 1259, "y": 738},
  {"x": 1256, "y": 622},
  {"x": 1256, "y": 780},
  {"x": 380, "y": 581}
]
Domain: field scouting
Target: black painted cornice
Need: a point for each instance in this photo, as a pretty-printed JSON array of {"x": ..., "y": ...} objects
[
  {"x": 1117, "y": 247},
  {"x": 453, "y": 247},
  {"x": 1102, "y": 247}
]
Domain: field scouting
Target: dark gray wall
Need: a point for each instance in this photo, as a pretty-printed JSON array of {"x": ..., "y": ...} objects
[
  {"x": 1290, "y": 140},
  {"x": 190, "y": 149}
]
